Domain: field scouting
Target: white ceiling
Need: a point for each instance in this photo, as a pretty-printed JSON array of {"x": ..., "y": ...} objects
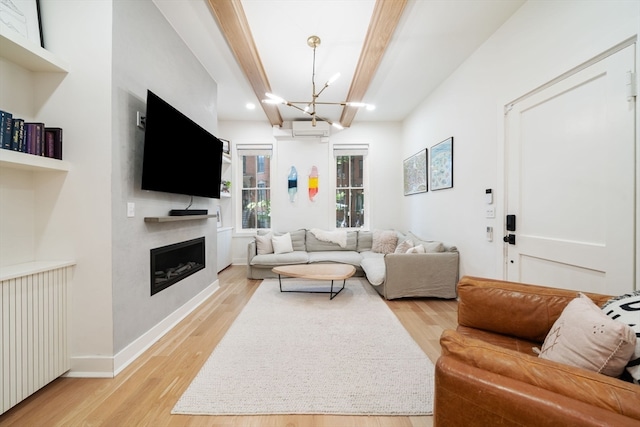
[{"x": 432, "y": 39}]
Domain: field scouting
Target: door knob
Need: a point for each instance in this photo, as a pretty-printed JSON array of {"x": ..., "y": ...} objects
[{"x": 510, "y": 239}]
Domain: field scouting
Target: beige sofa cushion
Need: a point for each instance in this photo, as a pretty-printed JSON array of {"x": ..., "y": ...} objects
[
  {"x": 365, "y": 241},
  {"x": 297, "y": 238},
  {"x": 429, "y": 245},
  {"x": 316, "y": 245}
]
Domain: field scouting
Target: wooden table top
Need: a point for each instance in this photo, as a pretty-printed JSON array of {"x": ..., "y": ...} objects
[{"x": 317, "y": 271}]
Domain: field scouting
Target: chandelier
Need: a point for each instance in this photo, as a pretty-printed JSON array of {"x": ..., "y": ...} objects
[{"x": 309, "y": 107}]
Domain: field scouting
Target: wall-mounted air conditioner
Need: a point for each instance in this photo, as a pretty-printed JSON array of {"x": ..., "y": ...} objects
[{"x": 305, "y": 129}]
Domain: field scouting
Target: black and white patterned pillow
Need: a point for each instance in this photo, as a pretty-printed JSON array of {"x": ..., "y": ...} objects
[{"x": 626, "y": 309}]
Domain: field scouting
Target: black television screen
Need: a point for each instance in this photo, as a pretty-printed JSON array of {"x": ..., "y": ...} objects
[{"x": 179, "y": 155}]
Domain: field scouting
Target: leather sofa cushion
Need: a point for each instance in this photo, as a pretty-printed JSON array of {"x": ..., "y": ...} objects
[
  {"x": 589, "y": 387},
  {"x": 519, "y": 310}
]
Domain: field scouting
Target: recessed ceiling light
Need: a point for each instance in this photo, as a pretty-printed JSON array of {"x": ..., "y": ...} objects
[{"x": 251, "y": 106}]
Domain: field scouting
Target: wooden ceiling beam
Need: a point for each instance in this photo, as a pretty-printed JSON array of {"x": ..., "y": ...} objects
[
  {"x": 235, "y": 27},
  {"x": 384, "y": 20}
]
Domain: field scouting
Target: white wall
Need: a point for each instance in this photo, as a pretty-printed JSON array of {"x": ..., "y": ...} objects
[
  {"x": 80, "y": 34},
  {"x": 385, "y": 181},
  {"x": 148, "y": 54},
  {"x": 540, "y": 42}
]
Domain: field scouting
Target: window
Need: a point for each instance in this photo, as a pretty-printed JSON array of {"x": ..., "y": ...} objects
[
  {"x": 351, "y": 204},
  {"x": 256, "y": 186}
]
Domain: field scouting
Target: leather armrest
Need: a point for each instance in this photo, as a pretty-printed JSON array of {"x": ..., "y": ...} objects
[
  {"x": 598, "y": 390},
  {"x": 469, "y": 396}
]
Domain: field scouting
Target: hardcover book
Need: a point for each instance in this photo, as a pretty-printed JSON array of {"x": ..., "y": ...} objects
[
  {"x": 34, "y": 135},
  {"x": 6, "y": 124},
  {"x": 17, "y": 135},
  {"x": 53, "y": 142}
]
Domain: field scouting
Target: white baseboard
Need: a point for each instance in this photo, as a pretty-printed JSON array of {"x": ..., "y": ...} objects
[{"x": 109, "y": 367}]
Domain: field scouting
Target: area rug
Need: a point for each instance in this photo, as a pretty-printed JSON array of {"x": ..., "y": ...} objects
[{"x": 301, "y": 353}]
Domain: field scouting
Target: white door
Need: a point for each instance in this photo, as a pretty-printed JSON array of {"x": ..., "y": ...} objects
[{"x": 571, "y": 181}]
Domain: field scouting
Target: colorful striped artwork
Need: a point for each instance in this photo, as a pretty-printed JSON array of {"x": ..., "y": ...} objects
[
  {"x": 292, "y": 184},
  {"x": 313, "y": 183}
]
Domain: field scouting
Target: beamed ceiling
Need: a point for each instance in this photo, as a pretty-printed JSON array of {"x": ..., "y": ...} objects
[{"x": 390, "y": 53}]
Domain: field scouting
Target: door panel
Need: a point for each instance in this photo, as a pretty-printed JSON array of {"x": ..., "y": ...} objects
[{"x": 571, "y": 181}]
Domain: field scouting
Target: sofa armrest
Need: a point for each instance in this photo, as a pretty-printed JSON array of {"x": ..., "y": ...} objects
[
  {"x": 252, "y": 250},
  {"x": 591, "y": 388},
  {"x": 515, "y": 309},
  {"x": 421, "y": 275},
  {"x": 470, "y": 396}
]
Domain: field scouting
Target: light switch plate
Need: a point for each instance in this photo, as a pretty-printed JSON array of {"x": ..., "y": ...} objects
[
  {"x": 490, "y": 212},
  {"x": 131, "y": 210}
]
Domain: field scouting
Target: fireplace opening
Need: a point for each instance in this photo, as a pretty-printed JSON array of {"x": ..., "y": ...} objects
[{"x": 172, "y": 263}]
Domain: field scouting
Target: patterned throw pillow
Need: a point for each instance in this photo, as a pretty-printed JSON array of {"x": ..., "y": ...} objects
[
  {"x": 583, "y": 336},
  {"x": 626, "y": 309}
]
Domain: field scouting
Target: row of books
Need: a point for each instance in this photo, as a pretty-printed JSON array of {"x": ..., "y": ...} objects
[{"x": 29, "y": 137}]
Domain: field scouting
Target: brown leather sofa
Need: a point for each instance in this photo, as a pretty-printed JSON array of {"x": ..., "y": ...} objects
[{"x": 488, "y": 374}]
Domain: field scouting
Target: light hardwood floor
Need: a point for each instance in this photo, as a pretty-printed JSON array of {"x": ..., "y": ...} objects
[{"x": 145, "y": 392}]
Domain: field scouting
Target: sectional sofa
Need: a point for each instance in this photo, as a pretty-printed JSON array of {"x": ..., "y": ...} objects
[{"x": 396, "y": 264}]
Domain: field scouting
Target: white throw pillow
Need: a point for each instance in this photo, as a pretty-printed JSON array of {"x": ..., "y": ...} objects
[
  {"x": 264, "y": 245},
  {"x": 585, "y": 337},
  {"x": 403, "y": 247},
  {"x": 282, "y": 244},
  {"x": 626, "y": 309},
  {"x": 417, "y": 250}
]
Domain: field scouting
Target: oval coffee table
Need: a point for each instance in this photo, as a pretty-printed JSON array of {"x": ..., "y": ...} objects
[{"x": 316, "y": 272}]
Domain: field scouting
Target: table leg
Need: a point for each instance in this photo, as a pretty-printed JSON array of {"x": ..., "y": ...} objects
[{"x": 332, "y": 294}]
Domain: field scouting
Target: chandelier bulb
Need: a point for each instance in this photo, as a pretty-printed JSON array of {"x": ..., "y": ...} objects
[
  {"x": 333, "y": 78},
  {"x": 310, "y": 107}
]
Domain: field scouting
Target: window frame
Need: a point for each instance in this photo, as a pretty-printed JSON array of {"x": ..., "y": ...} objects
[
  {"x": 351, "y": 150},
  {"x": 241, "y": 151}
]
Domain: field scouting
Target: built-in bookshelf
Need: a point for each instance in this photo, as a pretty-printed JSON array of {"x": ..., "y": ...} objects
[
  {"x": 18, "y": 160},
  {"x": 35, "y": 273},
  {"x": 27, "y": 54}
]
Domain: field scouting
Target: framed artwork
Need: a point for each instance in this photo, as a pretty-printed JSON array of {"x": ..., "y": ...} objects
[
  {"x": 415, "y": 173},
  {"x": 22, "y": 17},
  {"x": 218, "y": 216},
  {"x": 441, "y": 165}
]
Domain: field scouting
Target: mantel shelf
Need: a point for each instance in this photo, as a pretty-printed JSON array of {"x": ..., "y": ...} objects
[{"x": 176, "y": 218}]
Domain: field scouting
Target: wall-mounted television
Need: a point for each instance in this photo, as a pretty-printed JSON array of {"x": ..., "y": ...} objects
[{"x": 180, "y": 156}]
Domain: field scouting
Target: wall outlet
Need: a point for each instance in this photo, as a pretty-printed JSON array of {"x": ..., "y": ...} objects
[{"x": 140, "y": 120}]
